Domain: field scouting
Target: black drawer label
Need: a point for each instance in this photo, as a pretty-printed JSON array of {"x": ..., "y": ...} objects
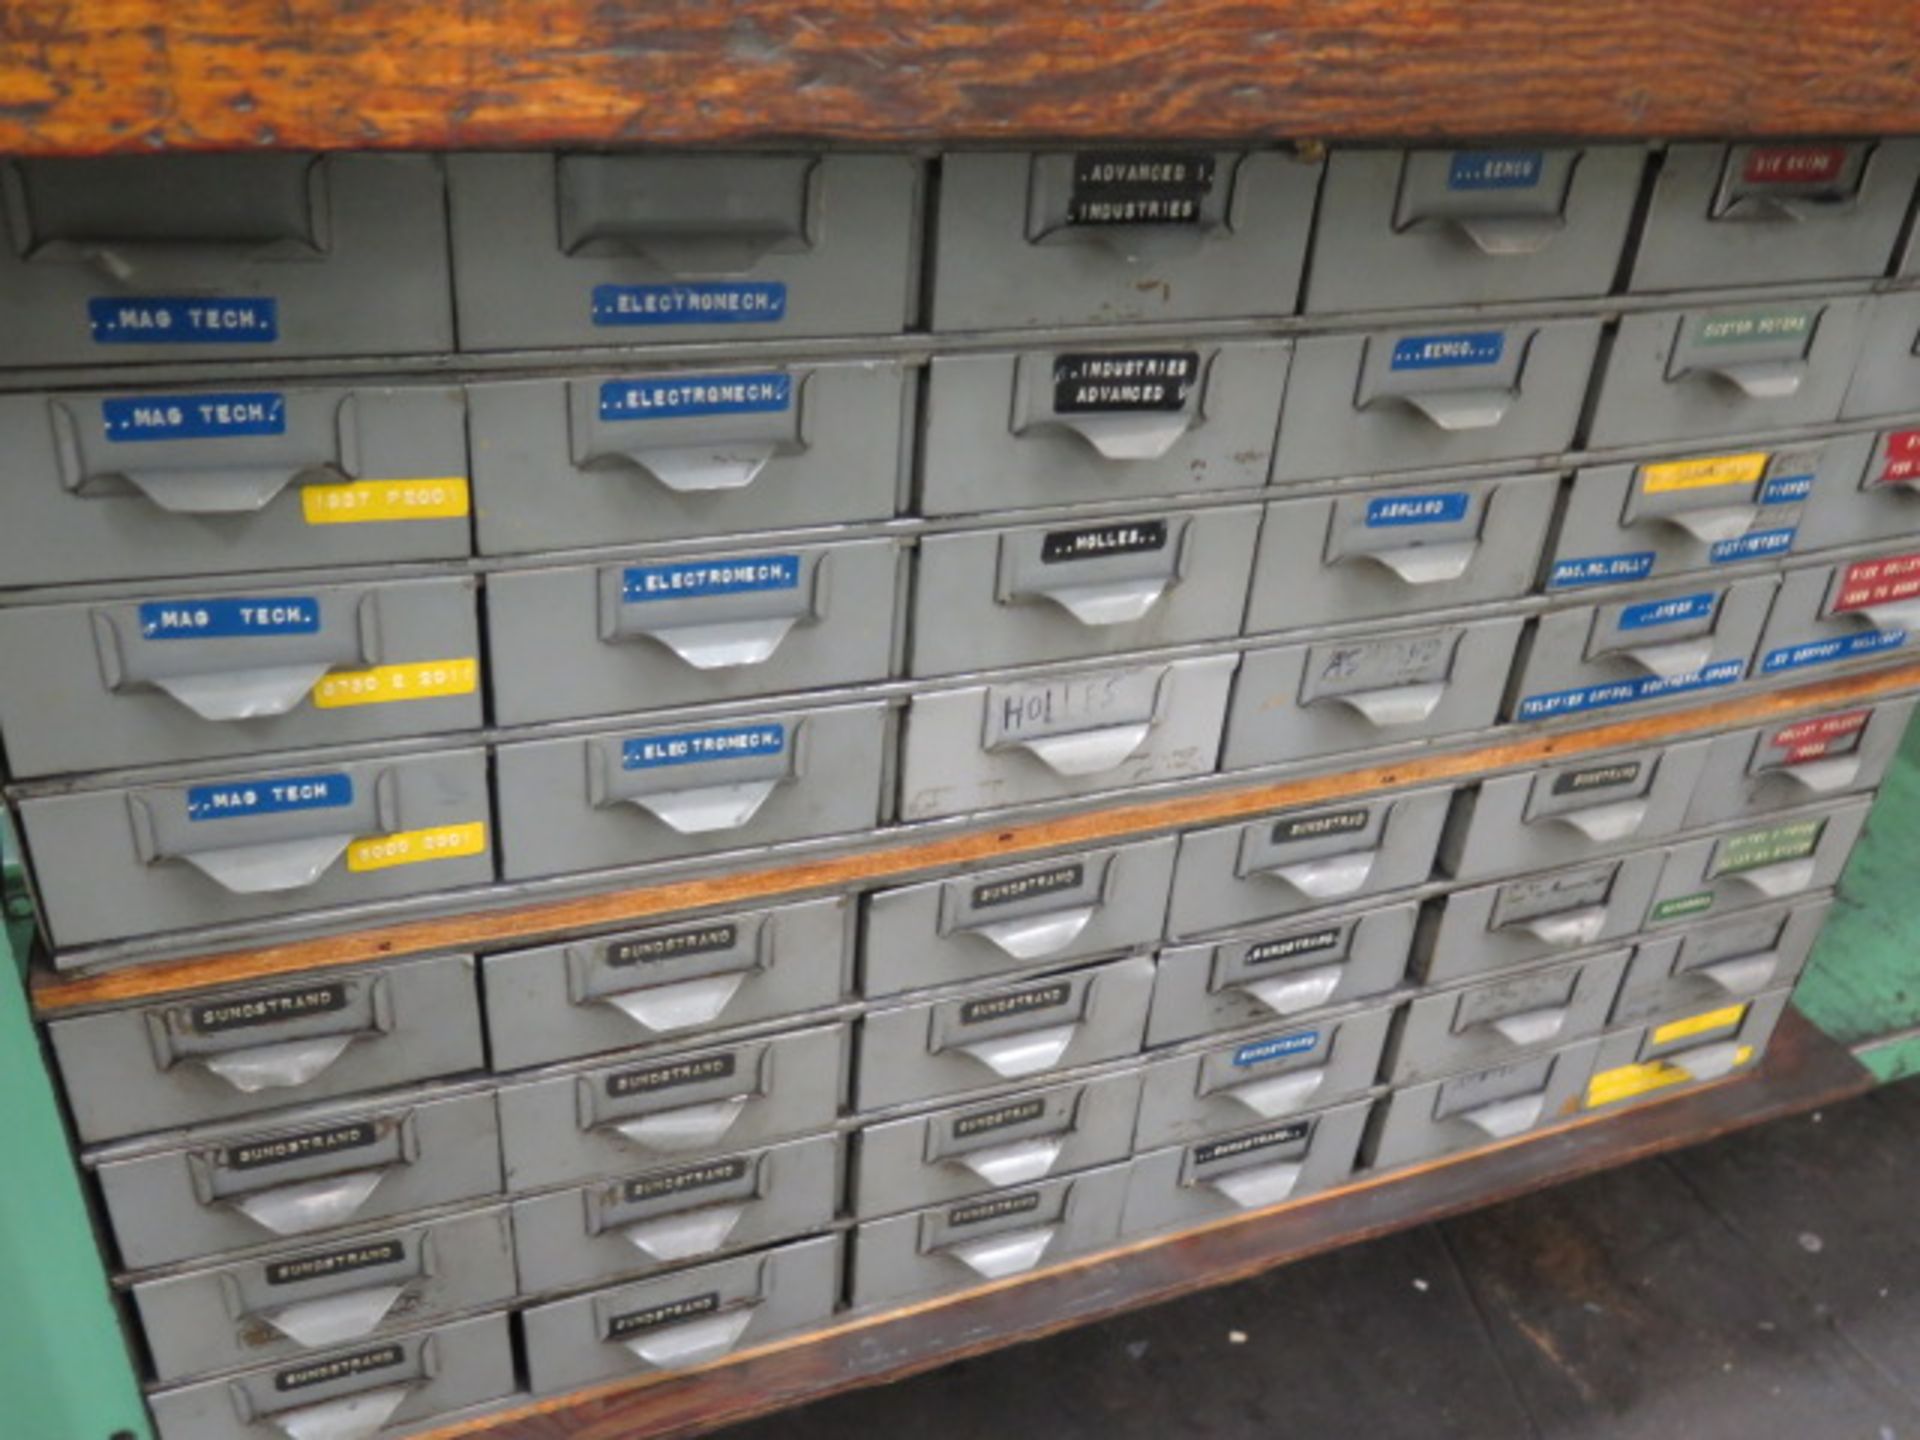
[
  {"x": 1139, "y": 188},
  {"x": 1001, "y": 1117},
  {"x": 1291, "y": 947},
  {"x": 1140, "y": 537},
  {"x": 283, "y": 1149},
  {"x": 654, "y": 1316},
  {"x": 997, "y": 1208},
  {"x": 241, "y": 1012},
  {"x": 1289, "y": 1134},
  {"x": 1020, "y": 1002},
  {"x": 1142, "y": 380},
  {"x": 650, "y": 1078},
  {"x": 335, "y": 1262},
  {"x": 706, "y": 940},
  {"x": 340, "y": 1367},
  {"x": 1596, "y": 777},
  {"x": 678, "y": 1182},
  {"x": 1029, "y": 887},
  {"x": 1318, "y": 827}
]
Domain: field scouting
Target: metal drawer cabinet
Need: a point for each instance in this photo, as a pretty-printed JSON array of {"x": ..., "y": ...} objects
[
  {"x": 1239, "y": 875},
  {"x": 1080, "y": 589},
  {"x": 625, "y": 249},
  {"x": 1386, "y": 554},
  {"x": 1885, "y": 377},
  {"x": 1279, "y": 973},
  {"x": 1252, "y": 1170},
  {"x": 1776, "y": 860},
  {"x": 653, "y": 632},
  {"x": 267, "y": 476},
  {"x": 1834, "y": 614},
  {"x": 1299, "y": 702},
  {"x": 691, "y": 788},
  {"x": 1056, "y": 736},
  {"x": 241, "y": 1186},
  {"x": 687, "y": 1318},
  {"x": 1706, "y": 966},
  {"x": 1534, "y": 917},
  {"x": 615, "y": 1119},
  {"x": 655, "y": 1219},
  {"x": 992, "y": 1237},
  {"x": 626, "y": 458},
  {"x": 996, "y": 922},
  {"x": 400, "y": 1384},
  {"x": 1407, "y": 228},
  {"x": 1111, "y": 237},
  {"x": 1875, "y": 497},
  {"x": 664, "y": 983},
  {"x": 1009, "y": 1141},
  {"x": 987, "y": 1038},
  {"x": 1262, "y": 1076},
  {"x": 162, "y": 675},
  {"x": 1014, "y": 430},
  {"x": 283, "y": 1304},
  {"x": 201, "y": 258},
  {"x": 1564, "y": 814},
  {"x": 236, "y": 845},
  {"x": 1481, "y": 1107},
  {"x": 224, "y": 1053},
  {"x": 1492, "y": 1021},
  {"x": 1687, "y": 1050},
  {"x": 1839, "y": 752}
]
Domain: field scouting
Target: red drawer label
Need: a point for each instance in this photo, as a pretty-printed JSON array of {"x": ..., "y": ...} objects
[
  {"x": 1902, "y": 457},
  {"x": 1811, "y": 739},
  {"x": 1794, "y": 164},
  {"x": 1878, "y": 582}
]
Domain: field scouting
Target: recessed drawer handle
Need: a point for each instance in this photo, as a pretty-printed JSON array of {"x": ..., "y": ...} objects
[
  {"x": 1777, "y": 882},
  {"x": 1396, "y": 705},
  {"x": 1092, "y": 752},
  {"x": 244, "y": 694},
  {"x": 726, "y": 645},
  {"x": 210, "y": 492},
  {"x": 1504, "y": 1119},
  {"x": 1002, "y": 1255},
  {"x": 311, "y": 1205},
  {"x": 1746, "y": 975},
  {"x": 686, "y": 1128},
  {"x": 711, "y": 808},
  {"x": 1708, "y": 1062},
  {"x": 1674, "y": 659},
  {"x": 1037, "y": 936},
  {"x": 665, "y": 1008},
  {"x": 351, "y": 1417},
  {"x": 277, "y": 1067},
  {"x": 1764, "y": 379},
  {"x": 1330, "y": 878},
  {"x": 271, "y": 866},
  {"x": 1119, "y": 602},
  {"x": 675, "y": 1346},
  {"x": 1130, "y": 437},
  {"x": 1281, "y": 1095},
  {"x": 1711, "y": 526},
  {"x": 335, "y": 1319},
  {"x": 1426, "y": 564},
  {"x": 1499, "y": 235},
  {"x": 1458, "y": 410},
  {"x": 1015, "y": 1164},
  {"x": 1531, "y": 1027},
  {"x": 1568, "y": 928},
  {"x": 697, "y": 470},
  {"x": 1904, "y": 615},
  {"x": 1824, "y": 777},
  {"x": 1011, "y": 1056},
  {"x": 1263, "y": 1185},
  {"x": 682, "y": 1237},
  {"x": 1604, "y": 823},
  {"x": 1300, "y": 991}
]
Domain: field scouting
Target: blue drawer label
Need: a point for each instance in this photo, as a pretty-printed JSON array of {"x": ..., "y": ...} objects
[
  {"x": 154, "y": 320},
  {"x": 1301, "y": 1042},
  {"x": 1494, "y": 169},
  {"x": 1821, "y": 652},
  {"x": 643, "y": 583},
  {"x": 1786, "y": 490},
  {"x": 1441, "y": 509},
  {"x": 204, "y": 619},
  {"x": 695, "y": 747},
  {"x": 235, "y": 798},
  {"x": 1600, "y": 570},
  {"x": 707, "y": 302},
  {"x": 1667, "y": 612},
  {"x": 193, "y": 417},
  {"x": 687, "y": 395},
  {"x": 1752, "y": 547},
  {"x": 1626, "y": 692},
  {"x": 1436, "y": 352}
]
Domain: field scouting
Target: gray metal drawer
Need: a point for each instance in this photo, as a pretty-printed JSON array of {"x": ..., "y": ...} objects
[
  {"x": 1533, "y": 917},
  {"x": 1491, "y": 1021},
  {"x": 1686, "y": 1050},
  {"x": 1721, "y": 962},
  {"x": 1836, "y": 614},
  {"x": 1889, "y": 366},
  {"x": 1482, "y": 1107},
  {"x": 1753, "y": 772},
  {"x": 1777, "y": 859}
]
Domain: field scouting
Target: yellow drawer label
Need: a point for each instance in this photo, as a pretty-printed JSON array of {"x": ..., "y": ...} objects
[
  {"x": 1702, "y": 473},
  {"x": 411, "y": 847},
  {"x": 385, "y": 684},
  {"x": 360, "y": 502},
  {"x": 1625, "y": 1082},
  {"x": 1722, "y": 1019}
]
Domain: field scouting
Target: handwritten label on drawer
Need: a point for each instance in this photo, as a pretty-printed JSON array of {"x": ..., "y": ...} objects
[
  {"x": 135, "y": 418},
  {"x": 1071, "y": 703}
]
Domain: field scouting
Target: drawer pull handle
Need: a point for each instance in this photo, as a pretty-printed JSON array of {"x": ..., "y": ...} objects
[
  {"x": 1764, "y": 379},
  {"x": 1824, "y": 777},
  {"x": 1504, "y": 1119},
  {"x": 215, "y": 492},
  {"x": 1011, "y": 1056},
  {"x": 711, "y": 808},
  {"x": 1605, "y": 823},
  {"x": 1458, "y": 410},
  {"x": 1015, "y": 1164},
  {"x": 1777, "y": 882},
  {"x": 1427, "y": 564},
  {"x": 1903, "y": 615},
  {"x": 675, "y": 1346},
  {"x": 1298, "y": 992},
  {"x": 1281, "y": 1095},
  {"x": 1396, "y": 705},
  {"x": 1746, "y": 975},
  {"x": 1498, "y": 235},
  {"x": 1709, "y": 527},
  {"x": 687, "y": 1128},
  {"x": 1261, "y": 1186},
  {"x": 682, "y": 1237},
  {"x": 695, "y": 471},
  {"x": 312, "y": 1205},
  {"x": 1002, "y": 1255},
  {"x": 1708, "y": 1062},
  {"x": 277, "y": 1067},
  {"x": 1119, "y": 602},
  {"x": 1037, "y": 936},
  {"x": 727, "y": 645},
  {"x": 1092, "y": 752},
  {"x": 1674, "y": 659},
  {"x": 335, "y": 1319},
  {"x": 665, "y": 1008},
  {"x": 1330, "y": 878},
  {"x": 244, "y": 694},
  {"x": 1568, "y": 928},
  {"x": 351, "y": 1417},
  {"x": 1531, "y": 1027},
  {"x": 269, "y": 868},
  {"x": 1130, "y": 437}
]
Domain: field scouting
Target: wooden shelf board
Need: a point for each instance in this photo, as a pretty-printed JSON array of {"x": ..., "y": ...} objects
[{"x": 902, "y": 856}]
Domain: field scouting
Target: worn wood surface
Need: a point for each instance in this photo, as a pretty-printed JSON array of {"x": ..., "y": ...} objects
[
  {"x": 901, "y": 856},
  {"x": 1803, "y": 1069},
  {"x": 224, "y": 74}
]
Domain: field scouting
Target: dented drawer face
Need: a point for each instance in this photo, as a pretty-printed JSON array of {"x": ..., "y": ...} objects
[
  {"x": 666, "y": 982},
  {"x": 1833, "y": 614},
  {"x": 159, "y": 676},
  {"x": 1488, "y": 1022},
  {"x": 129, "y": 259},
  {"x": 114, "y": 485},
  {"x": 1796, "y": 762},
  {"x": 1408, "y": 228},
  {"x": 683, "y": 1319},
  {"x": 1665, "y": 517},
  {"x": 996, "y": 922},
  {"x": 1003, "y": 1035},
  {"x": 1876, "y": 499},
  {"x": 1328, "y": 697},
  {"x": 1482, "y": 1107},
  {"x": 1378, "y": 554},
  {"x": 1723, "y": 962},
  {"x": 1534, "y": 917},
  {"x": 1649, "y": 647},
  {"x": 1279, "y": 973},
  {"x": 990, "y": 1237},
  {"x": 654, "y": 1110},
  {"x": 1251, "y": 1170},
  {"x": 651, "y": 1220},
  {"x": 236, "y": 845},
  {"x": 1245, "y": 874},
  {"x": 1693, "y": 374},
  {"x": 1416, "y": 399},
  {"x": 399, "y": 1384},
  {"x": 1075, "y": 733},
  {"x": 612, "y": 249},
  {"x": 247, "y": 1185},
  {"x": 1110, "y": 237},
  {"x": 628, "y": 458},
  {"x": 1081, "y": 589},
  {"x": 657, "y": 631},
  {"x": 692, "y": 788},
  {"x": 1764, "y": 214},
  {"x": 1687, "y": 1049},
  {"x": 1776, "y": 859},
  {"x": 1085, "y": 425},
  {"x": 1888, "y": 372},
  {"x": 314, "y": 1297},
  {"x": 226, "y": 1053},
  {"x": 995, "y": 1144},
  {"x": 1564, "y": 814},
  {"x": 1261, "y": 1077}
]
